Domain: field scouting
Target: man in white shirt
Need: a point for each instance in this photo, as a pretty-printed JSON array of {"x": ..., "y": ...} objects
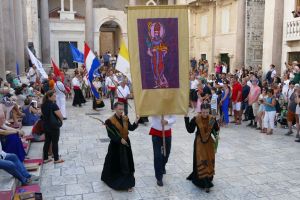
[
  {"x": 160, "y": 160},
  {"x": 123, "y": 93},
  {"x": 32, "y": 74},
  {"x": 61, "y": 96},
  {"x": 193, "y": 91},
  {"x": 111, "y": 82}
]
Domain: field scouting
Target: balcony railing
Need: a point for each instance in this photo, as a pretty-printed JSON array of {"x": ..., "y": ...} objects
[{"x": 293, "y": 30}]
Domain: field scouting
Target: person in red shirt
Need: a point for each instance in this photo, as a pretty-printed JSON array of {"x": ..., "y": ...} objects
[{"x": 236, "y": 99}]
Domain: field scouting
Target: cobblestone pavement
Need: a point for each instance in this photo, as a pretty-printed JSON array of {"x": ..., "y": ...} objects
[{"x": 249, "y": 165}]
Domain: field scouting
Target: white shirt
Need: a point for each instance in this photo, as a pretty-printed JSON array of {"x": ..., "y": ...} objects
[
  {"x": 194, "y": 84},
  {"x": 285, "y": 87},
  {"x": 2, "y": 153},
  {"x": 224, "y": 69},
  {"x": 59, "y": 88},
  {"x": 289, "y": 93},
  {"x": 32, "y": 75},
  {"x": 214, "y": 101},
  {"x": 273, "y": 73},
  {"x": 75, "y": 82},
  {"x": 123, "y": 92},
  {"x": 156, "y": 122},
  {"x": 109, "y": 81}
]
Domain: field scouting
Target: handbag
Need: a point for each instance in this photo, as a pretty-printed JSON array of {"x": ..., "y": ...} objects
[
  {"x": 100, "y": 103},
  {"x": 54, "y": 121}
]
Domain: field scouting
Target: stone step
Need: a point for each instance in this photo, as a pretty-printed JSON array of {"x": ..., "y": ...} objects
[
  {"x": 35, "y": 188},
  {"x": 7, "y": 185}
]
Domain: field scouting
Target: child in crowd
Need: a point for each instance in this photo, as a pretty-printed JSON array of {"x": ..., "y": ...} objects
[{"x": 282, "y": 120}]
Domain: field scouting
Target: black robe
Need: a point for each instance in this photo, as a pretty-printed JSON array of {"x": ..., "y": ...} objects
[
  {"x": 205, "y": 182},
  {"x": 118, "y": 169}
]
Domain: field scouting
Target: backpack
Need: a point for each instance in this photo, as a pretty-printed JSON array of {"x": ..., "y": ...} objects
[
  {"x": 46, "y": 86},
  {"x": 277, "y": 106},
  {"x": 268, "y": 76}
]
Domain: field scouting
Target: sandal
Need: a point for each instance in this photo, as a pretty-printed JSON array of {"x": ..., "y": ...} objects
[
  {"x": 47, "y": 161},
  {"x": 59, "y": 161},
  {"x": 270, "y": 133}
]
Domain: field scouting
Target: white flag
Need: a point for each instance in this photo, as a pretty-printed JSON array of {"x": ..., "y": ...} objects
[
  {"x": 123, "y": 61},
  {"x": 38, "y": 64}
]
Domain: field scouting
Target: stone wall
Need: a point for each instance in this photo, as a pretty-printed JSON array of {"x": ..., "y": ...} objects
[{"x": 255, "y": 10}]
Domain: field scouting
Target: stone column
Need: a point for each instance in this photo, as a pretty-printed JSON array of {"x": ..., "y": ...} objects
[
  {"x": 71, "y": 6},
  {"x": 240, "y": 36},
  {"x": 132, "y": 2},
  {"x": 25, "y": 33},
  {"x": 9, "y": 36},
  {"x": 273, "y": 31},
  {"x": 62, "y": 5},
  {"x": 2, "y": 45},
  {"x": 89, "y": 24},
  {"x": 171, "y": 2},
  {"x": 19, "y": 35},
  {"x": 180, "y": 2},
  {"x": 45, "y": 32},
  {"x": 213, "y": 40}
]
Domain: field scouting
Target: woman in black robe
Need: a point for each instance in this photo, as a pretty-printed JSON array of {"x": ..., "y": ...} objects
[
  {"x": 118, "y": 169},
  {"x": 204, "y": 147}
]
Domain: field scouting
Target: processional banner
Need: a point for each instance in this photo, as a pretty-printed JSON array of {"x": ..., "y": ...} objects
[{"x": 158, "y": 41}]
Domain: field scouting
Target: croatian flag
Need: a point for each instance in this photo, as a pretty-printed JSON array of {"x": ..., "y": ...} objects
[{"x": 91, "y": 64}]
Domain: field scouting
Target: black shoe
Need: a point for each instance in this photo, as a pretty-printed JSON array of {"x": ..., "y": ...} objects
[
  {"x": 289, "y": 133},
  {"x": 244, "y": 120},
  {"x": 64, "y": 118},
  {"x": 298, "y": 140},
  {"x": 250, "y": 124},
  {"x": 160, "y": 183}
]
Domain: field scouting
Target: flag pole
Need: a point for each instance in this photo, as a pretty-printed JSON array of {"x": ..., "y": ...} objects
[{"x": 164, "y": 137}]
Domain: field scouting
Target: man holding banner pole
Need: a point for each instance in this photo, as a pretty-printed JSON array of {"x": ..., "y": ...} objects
[
  {"x": 158, "y": 60},
  {"x": 161, "y": 133}
]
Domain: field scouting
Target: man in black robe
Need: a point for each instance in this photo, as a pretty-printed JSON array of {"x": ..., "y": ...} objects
[{"x": 118, "y": 169}]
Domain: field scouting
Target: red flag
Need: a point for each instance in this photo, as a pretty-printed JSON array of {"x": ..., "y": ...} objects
[{"x": 57, "y": 72}]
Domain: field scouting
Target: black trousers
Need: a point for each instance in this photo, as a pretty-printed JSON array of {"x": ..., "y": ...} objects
[
  {"x": 51, "y": 137},
  {"x": 160, "y": 160},
  {"x": 250, "y": 112},
  {"x": 126, "y": 109}
]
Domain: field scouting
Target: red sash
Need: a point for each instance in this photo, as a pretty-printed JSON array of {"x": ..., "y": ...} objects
[
  {"x": 122, "y": 100},
  {"x": 154, "y": 132},
  {"x": 76, "y": 87}
]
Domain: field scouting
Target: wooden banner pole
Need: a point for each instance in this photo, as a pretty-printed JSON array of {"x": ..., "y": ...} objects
[{"x": 164, "y": 137}]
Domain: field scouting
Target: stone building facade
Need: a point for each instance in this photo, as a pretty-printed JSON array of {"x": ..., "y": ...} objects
[
  {"x": 217, "y": 32},
  {"x": 254, "y": 26},
  {"x": 291, "y": 34}
]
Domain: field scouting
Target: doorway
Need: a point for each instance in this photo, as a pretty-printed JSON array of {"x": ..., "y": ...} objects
[
  {"x": 66, "y": 54},
  {"x": 225, "y": 59},
  {"x": 110, "y": 37}
]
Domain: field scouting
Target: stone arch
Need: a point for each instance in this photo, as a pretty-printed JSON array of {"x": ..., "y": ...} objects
[
  {"x": 113, "y": 19},
  {"x": 110, "y": 35}
]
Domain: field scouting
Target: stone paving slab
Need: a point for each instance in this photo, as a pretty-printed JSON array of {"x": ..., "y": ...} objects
[{"x": 249, "y": 165}]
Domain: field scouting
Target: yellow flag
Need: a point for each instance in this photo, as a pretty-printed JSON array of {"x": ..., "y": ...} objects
[{"x": 123, "y": 61}]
